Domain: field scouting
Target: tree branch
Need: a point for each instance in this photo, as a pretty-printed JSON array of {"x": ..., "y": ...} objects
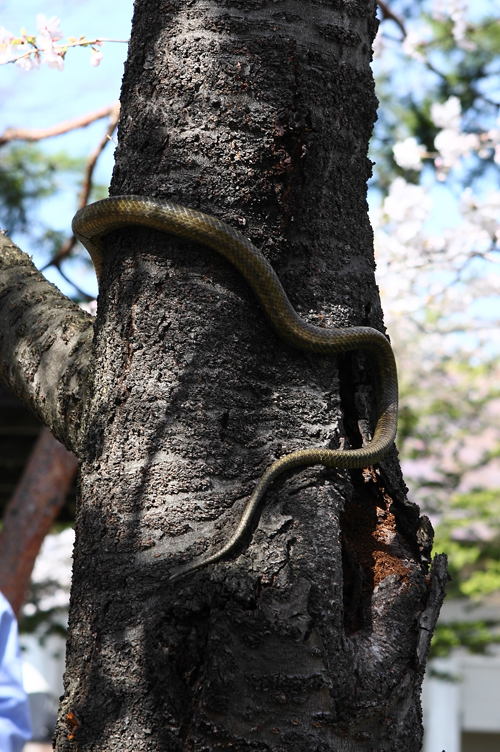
[
  {"x": 114, "y": 116},
  {"x": 83, "y": 295},
  {"x": 388, "y": 13},
  {"x": 37, "y": 134},
  {"x": 69, "y": 244},
  {"x": 30, "y": 513},
  {"x": 45, "y": 345}
]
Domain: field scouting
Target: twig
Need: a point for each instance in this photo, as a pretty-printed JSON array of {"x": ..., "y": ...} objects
[
  {"x": 37, "y": 134},
  {"x": 79, "y": 290},
  {"x": 60, "y": 49},
  {"x": 114, "y": 116},
  {"x": 69, "y": 244},
  {"x": 61, "y": 254},
  {"x": 388, "y": 13}
]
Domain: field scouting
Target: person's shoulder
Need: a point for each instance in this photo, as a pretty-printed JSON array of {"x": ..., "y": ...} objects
[{"x": 5, "y": 607}]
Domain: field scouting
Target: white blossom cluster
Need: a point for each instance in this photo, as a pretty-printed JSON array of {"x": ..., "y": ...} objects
[
  {"x": 27, "y": 51},
  {"x": 457, "y": 11},
  {"x": 417, "y": 38},
  {"x": 440, "y": 287},
  {"x": 425, "y": 264},
  {"x": 51, "y": 578},
  {"x": 451, "y": 143}
]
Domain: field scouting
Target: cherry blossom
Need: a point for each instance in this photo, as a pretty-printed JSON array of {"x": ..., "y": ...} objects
[
  {"x": 90, "y": 307},
  {"x": 48, "y": 34},
  {"x": 48, "y": 29},
  {"x": 439, "y": 287},
  {"x": 483, "y": 213},
  {"x": 6, "y": 51},
  {"x": 51, "y": 577},
  {"x": 415, "y": 41},
  {"x": 456, "y": 10},
  {"x": 408, "y": 154},
  {"x": 452, "y": 147},
  {"x": 95, "y": 57},
  {"x": 448, "y": 114},
  {"x": 28, "y": 63},
  {"x": 27, "y": 51}
]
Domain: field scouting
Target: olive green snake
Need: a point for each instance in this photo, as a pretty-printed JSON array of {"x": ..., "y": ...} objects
[{"x": 100, "y": 218}]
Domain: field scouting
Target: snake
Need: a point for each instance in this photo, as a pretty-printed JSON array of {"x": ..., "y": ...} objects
[{"x": 94, "y": 221}]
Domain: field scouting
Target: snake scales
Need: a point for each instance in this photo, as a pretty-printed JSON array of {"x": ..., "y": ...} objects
[{"x": 95, "y": 220}]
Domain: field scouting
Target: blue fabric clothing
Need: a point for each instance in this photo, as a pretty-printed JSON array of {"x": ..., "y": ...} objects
[{"x": 15, "y": 725}]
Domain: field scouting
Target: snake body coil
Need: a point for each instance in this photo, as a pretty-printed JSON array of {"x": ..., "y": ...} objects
[{"x": 100, "y": 218}]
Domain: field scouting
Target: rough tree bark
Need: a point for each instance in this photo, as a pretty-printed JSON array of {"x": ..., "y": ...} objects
[{"x": 313, "y": 634}]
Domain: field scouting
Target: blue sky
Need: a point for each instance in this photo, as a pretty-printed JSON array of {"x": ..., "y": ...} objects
[{"x": 44, "y": 97}]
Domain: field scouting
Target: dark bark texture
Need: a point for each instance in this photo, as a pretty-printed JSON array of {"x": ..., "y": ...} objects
[
  {"x": 312, "y": 636},
  {"x": 45, "y": 345}
]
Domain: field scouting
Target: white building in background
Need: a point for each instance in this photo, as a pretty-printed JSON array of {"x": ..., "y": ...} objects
[
  {"x": 461, "y": 693},
  {"x": 462, "y": 712}
]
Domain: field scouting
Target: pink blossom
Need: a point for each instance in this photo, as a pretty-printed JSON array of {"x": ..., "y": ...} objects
[
  {"x": 95, "y": 57},
  {"x": 378, "y": 44},
  {"x": 452, "y": 145},
  {"x": 49, "y": 28},
  {"x": 414, "y": 41},
  {"x": 53, "y": 59},
  {"x": 26, "y": 61},
  {"x": 408, "y": 154},
  {"x": 49, "y": 33},
  {"x": 6, "y": 52},
  {"x": 447, "y": 115},
  {"x": 52, "y": 572}
]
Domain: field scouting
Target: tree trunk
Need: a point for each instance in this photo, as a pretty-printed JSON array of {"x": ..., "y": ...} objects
[{"x": 313, "y": 634}]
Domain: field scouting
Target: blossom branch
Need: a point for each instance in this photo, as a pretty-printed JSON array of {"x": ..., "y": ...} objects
[
  {"x": 60, "y": 49},
  {"x": 29, "y": 49}
]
